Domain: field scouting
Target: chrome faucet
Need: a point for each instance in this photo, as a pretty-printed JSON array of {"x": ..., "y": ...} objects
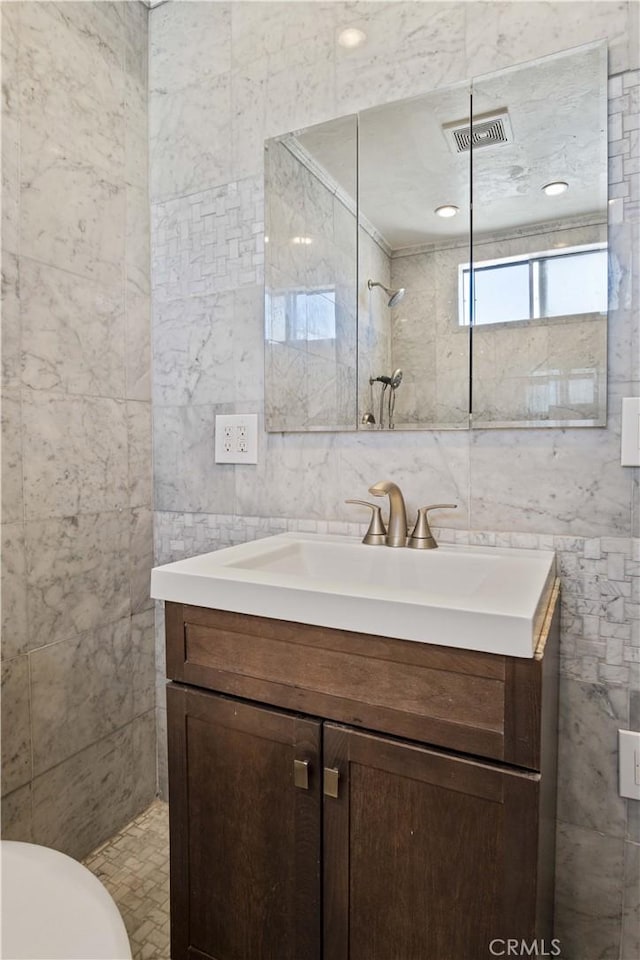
[{"x": 397, "y": 529}]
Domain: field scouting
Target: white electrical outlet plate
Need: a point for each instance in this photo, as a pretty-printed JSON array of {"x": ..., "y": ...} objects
[
  {"x": 630, "y": 443},
  {"x": 629, "y": 763},
  {"x": 236, "y": 439}
]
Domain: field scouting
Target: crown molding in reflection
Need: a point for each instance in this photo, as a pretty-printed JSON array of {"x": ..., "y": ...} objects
[{"x": 316, "y": 169}]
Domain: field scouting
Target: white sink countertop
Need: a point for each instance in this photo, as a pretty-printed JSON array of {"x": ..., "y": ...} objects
[{"x": 476, "y": 598}]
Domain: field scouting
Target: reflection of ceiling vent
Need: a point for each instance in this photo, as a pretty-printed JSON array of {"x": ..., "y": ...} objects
[{"x": 485, "y": 131}]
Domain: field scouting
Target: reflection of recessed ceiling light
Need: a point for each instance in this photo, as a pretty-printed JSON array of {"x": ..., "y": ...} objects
[
  {"x": 301, "y": 241},
  {"x": 555, "y": 188},
  {"x": 266, "y": 239},
  {"x": 448, "y": 210},
  {"x": 351, "y": 37}
]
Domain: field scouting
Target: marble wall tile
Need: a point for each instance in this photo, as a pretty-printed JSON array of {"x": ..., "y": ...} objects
[
  {"x": 631, "y": 905},
  {"x": 75, "y": 208},
  {"x": 72, "y": 332},
  {"x": 259, "y": 32},
  {"x": 11, "y": 462},
  {"x": 85, "y": 236},
  {"x": 75, "y": 455},
  {"x": 143, "y": 668},
  {"x": 162, "y": 760},
  {"x": 248, "y": 353},
  {"x": 85, "y": 799},
  {"x": 15, "y": 815},
  {"x": 136, "y": 142},
  {"x": 143, "y": 761},
  {"x": 81, "y": 690},
  {"x": 141, "y": 558},
  {"x": 623, "y": 362},
  {"x": 579, "y": 486},
  {"x": 590, "y": 716},
  {"x": 72, "y": 83},
  {"x": 248, "y": 117},
  {"x": 137, "y": 344},
  {"x": 190, "y": 139},
  {"x": 204, "y": 50},
  {"x": 10, "y": 332},
  {"x": 14, "y": 592},
  {"x": 300, "y": 88},
  {"x": 185, "y": 435},
  {"x": 437, "y": 471},
  {"x": 193, "y": 350},
  {"x": 427, "y": 41},
  {"x": 160, "y": 655},
  {"x": 283, "y": 483},
  {"x": 77, "y": 574},
  {"x": 16, "y": 729},
  {"x": 10, "y": 145},
  {"x": 208, "y": 242},
  {"x": 139, "y": 453},
  {"x": 137, "y": 252},
  {"x": 501, "y": 34},
  {"x": 588, "y": 915},
  {"x": 10, "y": 158},
  {"x": 136, "y": 80}
]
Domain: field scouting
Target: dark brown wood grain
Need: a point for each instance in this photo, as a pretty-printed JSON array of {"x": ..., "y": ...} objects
[
  {"x": 418, "y": 852},
  {"x": 442, "y": 695},
  {"x": 249, "y": 860},
  {"x": 425, "y": 853},
  {"x": 175, "y": 634}
]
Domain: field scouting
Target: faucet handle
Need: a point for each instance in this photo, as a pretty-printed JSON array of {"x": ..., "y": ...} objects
[
  {"x": 421, "y": 537},
  {"x": 377, "y": 531}
]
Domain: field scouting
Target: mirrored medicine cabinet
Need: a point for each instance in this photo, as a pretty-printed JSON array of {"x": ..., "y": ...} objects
[{"x": 441, "y": 262}]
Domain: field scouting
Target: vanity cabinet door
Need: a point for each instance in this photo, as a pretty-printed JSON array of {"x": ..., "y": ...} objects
[
  {"x": 245, "y": 830},
  {"x": 426, "y": 854}
]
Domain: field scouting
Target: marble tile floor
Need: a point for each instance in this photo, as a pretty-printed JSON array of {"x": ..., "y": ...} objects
[{"x": 134, "y": 867}]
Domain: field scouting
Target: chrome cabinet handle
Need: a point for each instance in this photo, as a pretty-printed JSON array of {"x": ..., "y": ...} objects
[
  {"x": 421, "y": 537},
  {"x": 377, "y": 531}
]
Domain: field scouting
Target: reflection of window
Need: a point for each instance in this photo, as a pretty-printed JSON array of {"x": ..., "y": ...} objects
[
  {"x": 300, "y": 315},
  {"x": 555, "y": 392},
  {"x": 550, "y": 284}
]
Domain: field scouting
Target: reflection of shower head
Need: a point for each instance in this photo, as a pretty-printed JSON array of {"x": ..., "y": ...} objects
[
  {"x": 393, "y": 381},
  {"x": 395, "y": 296}
]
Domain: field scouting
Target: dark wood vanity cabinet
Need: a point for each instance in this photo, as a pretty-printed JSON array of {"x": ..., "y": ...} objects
[{"x": 310, "y": 820}]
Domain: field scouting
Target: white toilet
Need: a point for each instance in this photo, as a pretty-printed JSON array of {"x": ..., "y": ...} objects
[{"x": 53, "y": 908}]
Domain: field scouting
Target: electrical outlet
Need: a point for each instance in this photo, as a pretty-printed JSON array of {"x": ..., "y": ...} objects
[{"x": 236, "y": 438}]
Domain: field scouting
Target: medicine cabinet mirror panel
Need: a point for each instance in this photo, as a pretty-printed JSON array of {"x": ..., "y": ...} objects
[
  {"x": 413, "y": 353},
  {"x": 374, "y": 315},
  {"x": 540, "y": 255},
  {"x": 310, "y": 279}
]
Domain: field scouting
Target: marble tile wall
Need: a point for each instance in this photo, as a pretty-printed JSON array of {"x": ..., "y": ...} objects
[
  {"x": 78, "y": 703},
  {"x": 255, "y": 70}
]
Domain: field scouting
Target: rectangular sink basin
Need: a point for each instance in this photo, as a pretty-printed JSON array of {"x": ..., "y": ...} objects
[{"x": 476, "y": 598}]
